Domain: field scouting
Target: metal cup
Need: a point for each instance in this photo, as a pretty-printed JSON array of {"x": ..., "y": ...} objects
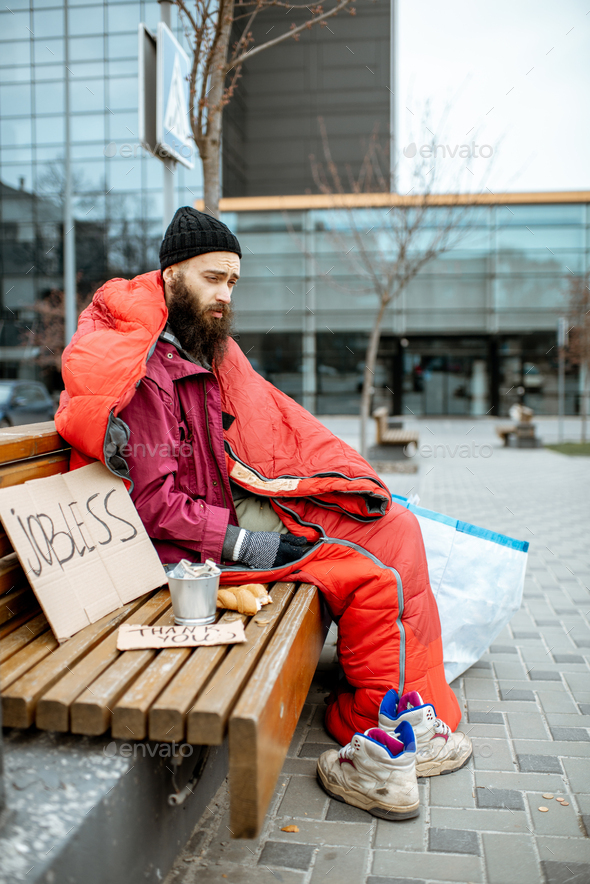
[{"x": 194, "y": 599}]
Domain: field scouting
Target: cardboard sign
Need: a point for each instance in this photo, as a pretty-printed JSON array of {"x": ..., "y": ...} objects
[
  {"x": 82, "y": 545},
  {"x": 131, "y": 637}
]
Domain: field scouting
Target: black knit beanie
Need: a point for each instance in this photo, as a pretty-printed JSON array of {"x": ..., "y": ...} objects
[{"x": 193, "y": 233}]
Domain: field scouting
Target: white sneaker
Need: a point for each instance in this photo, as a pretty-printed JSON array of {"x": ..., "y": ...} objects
[
  {"x": 438, "y": 749},
  {"x": 376, "y": 771}
]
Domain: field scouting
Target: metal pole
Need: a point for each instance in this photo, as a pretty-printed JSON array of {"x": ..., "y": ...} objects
[
  {"x": 560, "y": 376},
  {"x": 168, "y": 186},
  {"x": 168, "y": 164},
  {"x": 309, "y": 320},
  {"x": 393, "y": 28},
  {"x": 69, "y": 231}
]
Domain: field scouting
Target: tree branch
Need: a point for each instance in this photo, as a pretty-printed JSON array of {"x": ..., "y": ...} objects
[{"x": 250, "y": 53}]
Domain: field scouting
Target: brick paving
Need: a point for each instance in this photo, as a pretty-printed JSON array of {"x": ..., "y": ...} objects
[{"x": 526, "y": 706}]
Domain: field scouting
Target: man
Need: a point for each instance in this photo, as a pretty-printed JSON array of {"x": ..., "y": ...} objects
[{"x": 222, "y": 465}]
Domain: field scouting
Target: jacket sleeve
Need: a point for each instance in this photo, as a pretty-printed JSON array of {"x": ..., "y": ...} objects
[{"x": 152, "y": 455}]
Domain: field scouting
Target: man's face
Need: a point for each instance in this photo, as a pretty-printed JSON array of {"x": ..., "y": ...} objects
[{"x": 198, "y": 296}]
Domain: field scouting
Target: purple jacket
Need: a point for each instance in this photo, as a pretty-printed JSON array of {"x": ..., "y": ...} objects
[{"x": 176, "y": 458}]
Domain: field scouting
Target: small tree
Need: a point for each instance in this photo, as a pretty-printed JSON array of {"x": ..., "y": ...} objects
[
  {"x": 579, "y": 338},
  {"x": 47, "y": 333},
  {"x": 388, "y": 247},
  {"x": 210, "y": 26}
]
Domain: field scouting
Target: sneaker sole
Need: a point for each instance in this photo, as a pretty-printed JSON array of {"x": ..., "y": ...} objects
[
  {"x": 446, "y": 767},
  {"x": 356, "y": 800}
]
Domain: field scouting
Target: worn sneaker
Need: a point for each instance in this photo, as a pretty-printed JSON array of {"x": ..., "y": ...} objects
[
  {"x": 376, "y": 772},
  {"x": 438, "y": 749}
]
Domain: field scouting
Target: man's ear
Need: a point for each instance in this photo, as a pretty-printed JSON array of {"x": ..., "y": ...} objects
[{"x": 167, "y": 277}]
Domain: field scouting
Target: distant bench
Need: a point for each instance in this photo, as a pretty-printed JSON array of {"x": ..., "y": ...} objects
[
  {"x": 253, "y": 691},
  {"x": 387, "y": 435}
]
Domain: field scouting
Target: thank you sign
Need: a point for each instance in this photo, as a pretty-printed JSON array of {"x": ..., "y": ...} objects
[{"x": 81, "y": 544}]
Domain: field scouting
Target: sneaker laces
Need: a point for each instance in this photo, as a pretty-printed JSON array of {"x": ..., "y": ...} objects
[
  {"x": 346, "y": 753},
  {"x": 441, "y": 729}
]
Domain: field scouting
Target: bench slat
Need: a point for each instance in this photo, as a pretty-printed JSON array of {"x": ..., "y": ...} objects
[
  {"x": 21, "y": 636},
  {"x": 262, "y": 723},
  {"x": 130, "y": 713},
  {"x": 20, "y": 700},
  {"x": 11, "y": 573},
  {"x": 17, "y": 621},
  {"x": 29, "y": 440},
  {"x": 53, "y": 709},
  {"x": 91, "y": 713},
  {"x": 167, "y": 715},
  {"x": 34, "y": 468},
  {"x": 399, "y": 437},
  {"x": 5, "y": 545},
  {"x": 25, "y": 659},
  {"x": 17, "y": 601},
  {"x": 206, "y": 723}
]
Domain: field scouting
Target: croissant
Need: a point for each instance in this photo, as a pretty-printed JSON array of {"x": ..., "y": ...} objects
[{"x": 243, "y": 599}]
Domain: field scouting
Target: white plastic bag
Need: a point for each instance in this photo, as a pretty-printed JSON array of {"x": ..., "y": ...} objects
[{"x": 477, "y": 577}]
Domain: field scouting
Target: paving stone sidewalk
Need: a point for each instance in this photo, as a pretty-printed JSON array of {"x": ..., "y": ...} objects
[{"x": 526, "y": 707}]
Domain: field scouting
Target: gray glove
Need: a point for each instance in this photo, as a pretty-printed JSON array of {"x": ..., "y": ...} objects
[{"x": 262, "y": 550}]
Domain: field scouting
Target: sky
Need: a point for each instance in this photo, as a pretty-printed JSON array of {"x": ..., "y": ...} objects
[{"x": 510, "y": 76}]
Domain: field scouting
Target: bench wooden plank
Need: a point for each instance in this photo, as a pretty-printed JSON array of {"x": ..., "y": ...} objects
[
  {"x": 29, "y": 440},
  {"x": 262, "y": 723},
  {"x": 5, "y": 545},
  {"x": 53, "y": 709},
  {"x": 207, "y": 721},
  {"x": 20, "y": 699},
  {"x": 25, "y": 659},
  {"x": 92, "y": 712},
  {"x": 17, "y": 601},
  {"x": 34, "y": 468},
  {"x": 398, "y": 437},
  {"x": 16, "y": 622},
  {"x": 11, "y": 573},
  {"x": 130, "y": 713},
  {"x": 167, "y": 715},
  {"x": 21, "y": 636}
]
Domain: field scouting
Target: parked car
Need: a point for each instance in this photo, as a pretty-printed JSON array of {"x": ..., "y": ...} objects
[{"x": 24, "y": 402}]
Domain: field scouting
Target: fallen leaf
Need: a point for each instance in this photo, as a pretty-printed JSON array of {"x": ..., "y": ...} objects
[{"x": 290, "y": 829}]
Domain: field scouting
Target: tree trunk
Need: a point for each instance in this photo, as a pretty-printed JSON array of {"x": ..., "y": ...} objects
[
  {"x": 211, "y": 160},
  {"x": 369, "y": 375},
  {"x": 585, "y": 393},
  {"x": 209, "y": 143}
]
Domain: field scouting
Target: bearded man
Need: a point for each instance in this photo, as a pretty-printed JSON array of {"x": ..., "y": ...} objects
[{"x": 222, "y": 465}]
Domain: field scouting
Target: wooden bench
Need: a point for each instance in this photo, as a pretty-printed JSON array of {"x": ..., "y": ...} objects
[
  {"x": 504, "y": 431},
  {"x": 253, "y": 691},
  {"x": 388, "y": 436}
]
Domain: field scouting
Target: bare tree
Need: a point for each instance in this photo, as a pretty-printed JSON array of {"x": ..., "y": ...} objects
[
  {"x": 579, "y": 338},
  {"x": 386, "y": 248},
  {"x": 47, "y": 333},
  {"x": 210, "y": 27}
]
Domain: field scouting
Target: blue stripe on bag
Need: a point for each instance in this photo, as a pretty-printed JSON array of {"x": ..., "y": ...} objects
[
  {"x": 502, "y": 539},
  {"x": 464, "y": 527},
  {"x": 420, "y": 511}
]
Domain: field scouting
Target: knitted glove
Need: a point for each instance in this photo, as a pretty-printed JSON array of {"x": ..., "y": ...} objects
[
  {"x": 290, "y": 549},
  {"x": 262, "y": 550}
]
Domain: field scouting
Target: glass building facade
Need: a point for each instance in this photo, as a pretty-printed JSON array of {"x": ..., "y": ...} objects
[
  {"x": 117, "y": 186},
  {"x": 472, "y": 334}
]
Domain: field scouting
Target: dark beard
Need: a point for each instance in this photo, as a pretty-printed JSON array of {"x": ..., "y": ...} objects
[{"x": 203, "y": 336}]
